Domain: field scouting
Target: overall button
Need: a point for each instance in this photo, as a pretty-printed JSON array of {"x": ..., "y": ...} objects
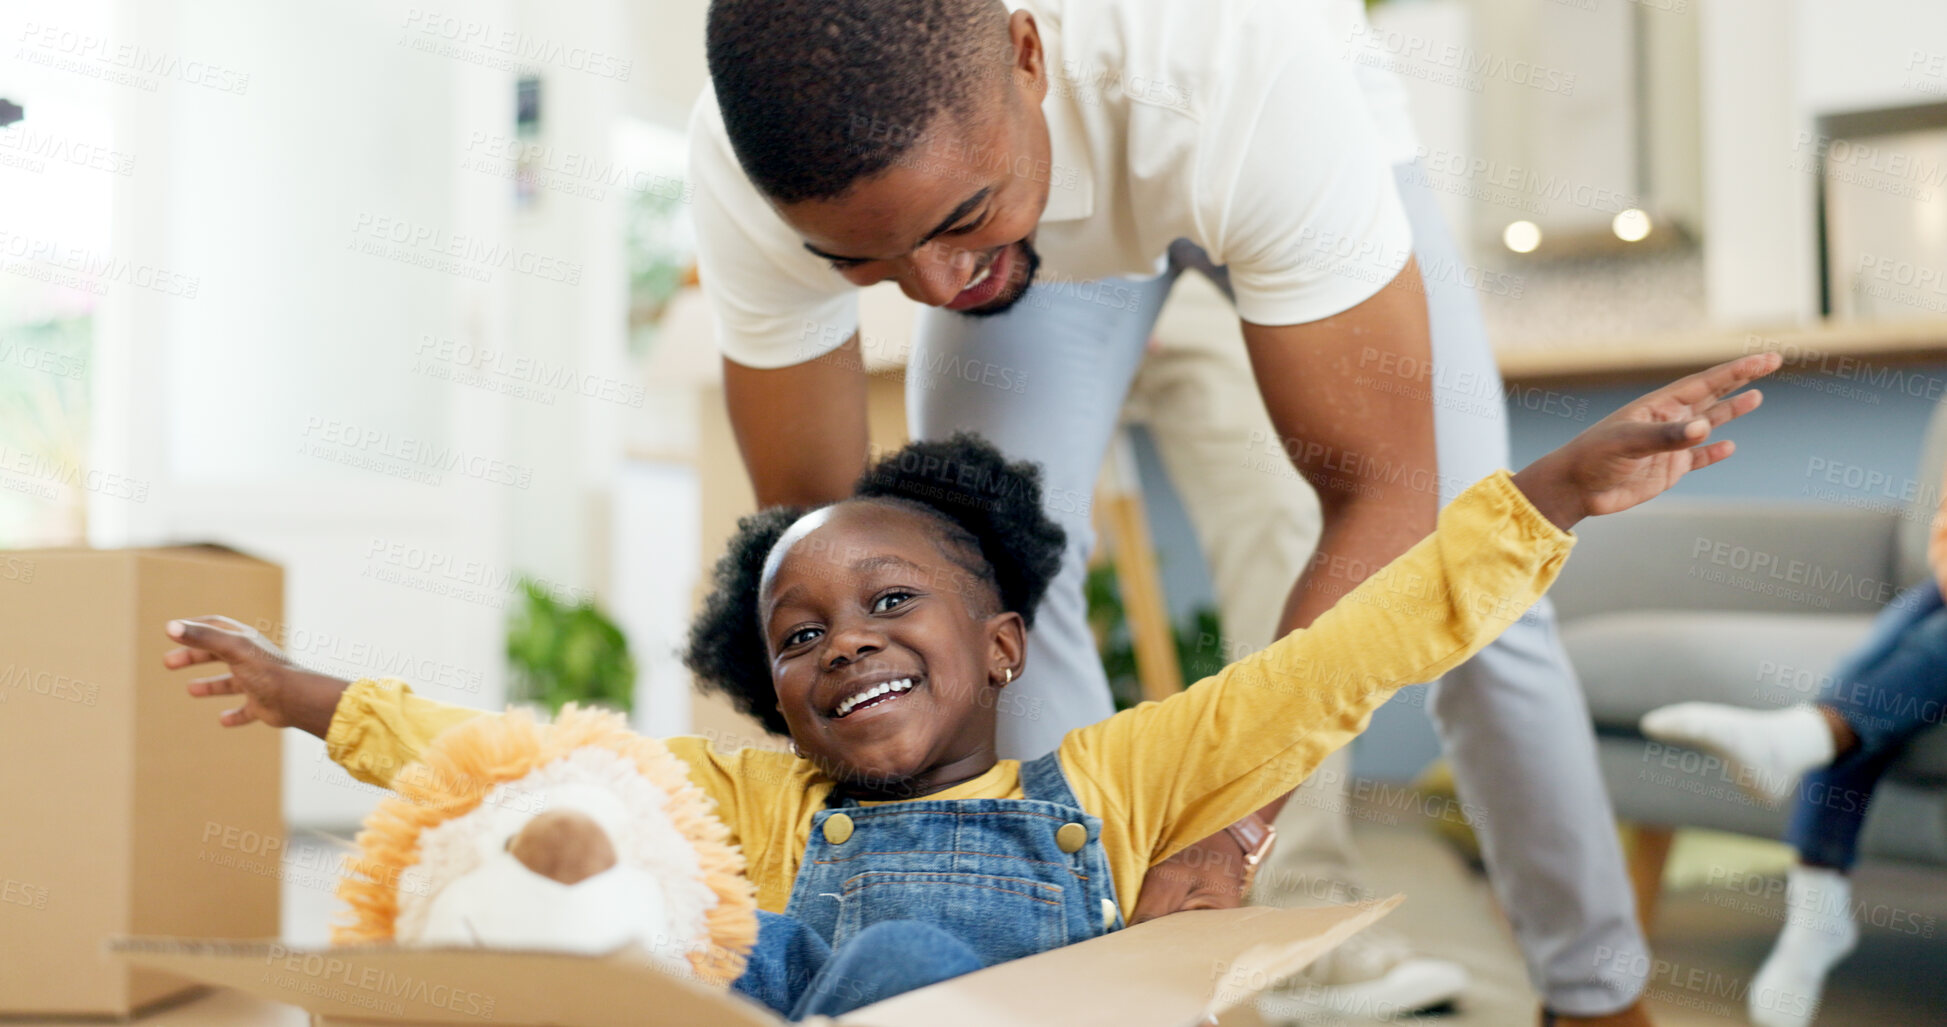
[
  {"x": 1108, "y": 914},
  {"x": 1071, "y": 837},
  {"x": 838, "y": 827}
]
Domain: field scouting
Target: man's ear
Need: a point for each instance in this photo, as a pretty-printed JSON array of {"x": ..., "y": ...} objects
[
  {"x": 1007, "y": 647},
  {"x": 1030, "y": 59}
]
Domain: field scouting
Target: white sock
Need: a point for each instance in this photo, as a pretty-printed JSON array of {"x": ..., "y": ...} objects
[
  {"x": 1766, "y": 751},
  {"x": 1818, "y": 933}
]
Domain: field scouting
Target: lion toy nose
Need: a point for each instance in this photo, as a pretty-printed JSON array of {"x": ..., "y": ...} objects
[{"x": 564, "y": 846}]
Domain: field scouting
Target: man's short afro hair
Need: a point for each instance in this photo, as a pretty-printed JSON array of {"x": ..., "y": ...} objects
[
  {"x": 992, "y": 524},
  {"x": 817, "y": 94}
]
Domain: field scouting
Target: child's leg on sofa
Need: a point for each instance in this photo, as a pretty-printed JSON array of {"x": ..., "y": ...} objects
[
  {"x": 1879, "y": 696},
  {"x": 1891, "y": 690}
]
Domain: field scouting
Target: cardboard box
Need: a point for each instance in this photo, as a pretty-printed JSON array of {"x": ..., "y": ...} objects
[
  {"x": 1173, "y": 972},
  {"x": 127, "y": 808}
]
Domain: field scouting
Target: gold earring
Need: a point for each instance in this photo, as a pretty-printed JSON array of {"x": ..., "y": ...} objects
[{"x": 1009, "y": 679}]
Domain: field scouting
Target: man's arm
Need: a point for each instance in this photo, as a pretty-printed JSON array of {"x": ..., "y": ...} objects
[
  {"x": 802, "y": 428},
  {"x": 1351, "y": 399}
]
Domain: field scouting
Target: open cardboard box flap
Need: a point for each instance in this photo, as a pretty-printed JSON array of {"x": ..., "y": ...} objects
[{"x": 1172, "y": 972}]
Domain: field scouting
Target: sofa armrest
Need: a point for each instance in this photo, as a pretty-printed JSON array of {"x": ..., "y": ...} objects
[{"x": 1725, "y": 555}]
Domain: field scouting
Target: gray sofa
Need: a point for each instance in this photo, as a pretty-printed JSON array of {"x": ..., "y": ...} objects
[{"x": 1752, "y": 603}]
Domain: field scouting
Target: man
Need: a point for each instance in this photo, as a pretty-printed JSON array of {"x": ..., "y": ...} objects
[{"x": 957, "y": 146}]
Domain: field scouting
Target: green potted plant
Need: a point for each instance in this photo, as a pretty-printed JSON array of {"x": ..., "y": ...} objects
[
  {"x": 1110, "y": 621},
  {"x": 658, "y": 260},
  {"x": 567, "y": 652}
]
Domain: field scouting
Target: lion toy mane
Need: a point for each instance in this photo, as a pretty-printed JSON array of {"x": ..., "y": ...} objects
[{"x": 577, "y": 836}]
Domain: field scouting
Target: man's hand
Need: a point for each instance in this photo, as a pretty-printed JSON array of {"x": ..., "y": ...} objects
[
  {"x": 276, "y": 691},
  {"x": 1207, "y": 875},
  {"x": 1640, "y": 451}
]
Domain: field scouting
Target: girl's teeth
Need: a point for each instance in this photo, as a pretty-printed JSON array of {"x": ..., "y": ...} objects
[{"x": 901, "y": 685}]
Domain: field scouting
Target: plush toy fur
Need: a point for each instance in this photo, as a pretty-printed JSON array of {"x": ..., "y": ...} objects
[{"x": 408, "y": 845}]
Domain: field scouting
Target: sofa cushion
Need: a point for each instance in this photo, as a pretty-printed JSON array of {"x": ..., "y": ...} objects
[{"x": 1631, "y": 663}]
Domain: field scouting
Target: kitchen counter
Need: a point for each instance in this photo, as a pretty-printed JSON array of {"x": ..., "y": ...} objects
[{"x": 1852, "y": 349}]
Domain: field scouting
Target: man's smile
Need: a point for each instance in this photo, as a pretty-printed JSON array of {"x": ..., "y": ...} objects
[{"x": 989, "y": 281}]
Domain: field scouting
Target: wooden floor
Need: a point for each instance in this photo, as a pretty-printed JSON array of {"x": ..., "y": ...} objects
[{"x": 1709, "y": 944}]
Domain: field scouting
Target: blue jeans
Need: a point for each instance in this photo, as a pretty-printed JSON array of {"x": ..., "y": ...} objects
[
  {"x": 795, "y": 974},
  {"x": 1889, "y": 690}
]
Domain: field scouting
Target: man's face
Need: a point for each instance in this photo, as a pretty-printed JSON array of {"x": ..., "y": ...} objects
[
  {"x": 884, "y": 668},
  {"x": 951, "y": 220}
]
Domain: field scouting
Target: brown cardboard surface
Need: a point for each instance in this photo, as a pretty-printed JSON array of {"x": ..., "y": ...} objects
[
  {"x": 1171, "y": 972},
  {"x": 381, "y": 984},
  {"x": 1174, "y": 971},
  {"x": 68, "y": 790},
  {"x": 116, "y": 776},
  {"x": 208, "y": 813}
]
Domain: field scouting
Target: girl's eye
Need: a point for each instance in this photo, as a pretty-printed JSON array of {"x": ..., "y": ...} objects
[
  {"x": 800, "y": 637},
  {"x": 890, "y": 600},
  {"x": 842, "y": 266}
]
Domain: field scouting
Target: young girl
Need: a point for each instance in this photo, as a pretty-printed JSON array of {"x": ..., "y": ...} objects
[{"x": 893, "y": 849}]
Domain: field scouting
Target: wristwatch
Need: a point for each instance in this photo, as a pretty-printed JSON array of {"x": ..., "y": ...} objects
[{"x": 1255, "y": 837}]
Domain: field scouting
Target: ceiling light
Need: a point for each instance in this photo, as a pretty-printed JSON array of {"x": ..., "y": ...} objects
[
  {"x": 1631, "y": 225},
  {"x": 1522, "y": 236}
]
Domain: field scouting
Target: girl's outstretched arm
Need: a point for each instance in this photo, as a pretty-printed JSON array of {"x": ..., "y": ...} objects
[
  {"x": 1179, "y": 770},
  {"x": 371, "y": 728}
]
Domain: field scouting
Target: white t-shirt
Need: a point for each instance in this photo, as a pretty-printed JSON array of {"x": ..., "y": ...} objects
[{"x": 1241, "y": 126}]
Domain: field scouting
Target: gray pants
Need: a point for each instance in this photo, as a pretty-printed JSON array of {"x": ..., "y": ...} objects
[{"x": 1045, "y": 382}]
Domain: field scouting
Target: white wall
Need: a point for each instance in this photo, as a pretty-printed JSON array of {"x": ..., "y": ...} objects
[
  {"x": 1759, "y": 257},
  {"x": 1870, "y": 53},
  {"x": 280, "y": 409},
  {"x": 1768, "y": 77}
]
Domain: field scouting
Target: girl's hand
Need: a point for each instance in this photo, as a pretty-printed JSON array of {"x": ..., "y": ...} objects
[
  {"x": 276, "y": 691},
  {"x": 1638, "y": 452}
]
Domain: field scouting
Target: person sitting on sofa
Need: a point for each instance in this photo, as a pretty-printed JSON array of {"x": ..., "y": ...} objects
[{"x": 1830, "y": 754}]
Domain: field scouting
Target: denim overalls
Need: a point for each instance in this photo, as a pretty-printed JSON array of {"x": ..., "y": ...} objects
[{"x": 951, "y": 885}]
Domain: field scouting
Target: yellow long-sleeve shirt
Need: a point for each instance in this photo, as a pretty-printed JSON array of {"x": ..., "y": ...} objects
[{"x": 1164, "y": 774}]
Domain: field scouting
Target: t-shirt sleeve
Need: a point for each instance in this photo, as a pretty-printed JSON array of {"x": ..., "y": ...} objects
[
  {"x": 1181, "y": 769},
  {"x": 1295, "y": 194},
  {"x": 775, "y": 303}
]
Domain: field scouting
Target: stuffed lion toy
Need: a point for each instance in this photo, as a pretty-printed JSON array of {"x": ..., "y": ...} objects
[{"x": 576, "y": 836}]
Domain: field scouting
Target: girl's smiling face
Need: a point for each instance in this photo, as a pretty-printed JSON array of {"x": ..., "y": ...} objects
[{"x": 886, "y": 649}]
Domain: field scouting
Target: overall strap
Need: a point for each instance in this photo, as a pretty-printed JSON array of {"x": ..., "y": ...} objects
[{"x": 1042, "y": 780}]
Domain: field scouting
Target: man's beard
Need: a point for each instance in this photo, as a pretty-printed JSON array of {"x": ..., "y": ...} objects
[{"x": 1007, "y": 301}]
